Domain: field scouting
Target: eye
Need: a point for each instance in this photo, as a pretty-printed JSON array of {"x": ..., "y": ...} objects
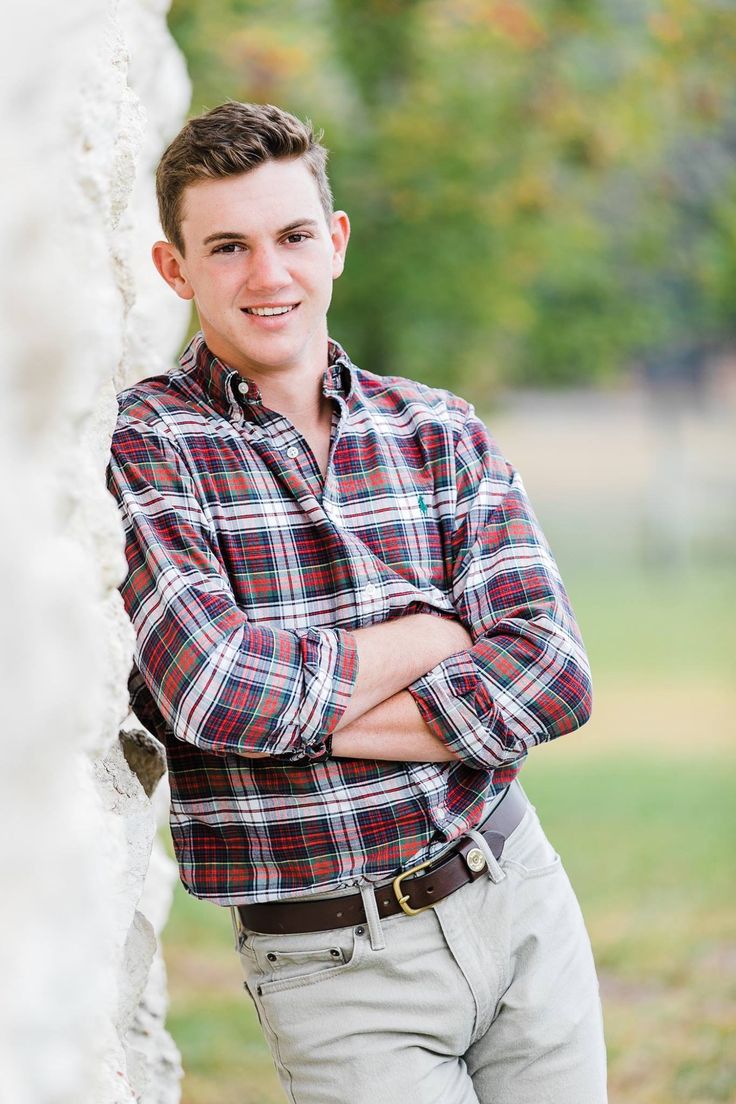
[
  {"x": 228, "y": 247},
  {"x": 297, "y": 237}
]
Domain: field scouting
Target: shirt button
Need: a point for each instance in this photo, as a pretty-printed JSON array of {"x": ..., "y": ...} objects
[
  {"x": 370, "y": 590},
  {"x": 243, "y": 387},
  {"x": 292, "y": 452}
]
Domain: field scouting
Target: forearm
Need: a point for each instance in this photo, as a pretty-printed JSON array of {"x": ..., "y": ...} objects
[
  {"x": 382, "y": 720},
  {"x": 393, "y": 730},
  {"x": 395, "y": 653}
]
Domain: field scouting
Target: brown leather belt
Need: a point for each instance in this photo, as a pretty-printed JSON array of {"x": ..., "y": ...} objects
[{"x": 411, "y": 892}]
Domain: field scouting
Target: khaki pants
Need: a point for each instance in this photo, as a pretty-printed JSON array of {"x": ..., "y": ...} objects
[{"x": 490, "y": 997}]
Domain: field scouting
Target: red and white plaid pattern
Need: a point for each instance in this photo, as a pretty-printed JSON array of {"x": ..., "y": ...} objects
[{"x": 246, "y": 574}]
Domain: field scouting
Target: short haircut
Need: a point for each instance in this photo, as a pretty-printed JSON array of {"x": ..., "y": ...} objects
[{"x": 232, "y": 139}]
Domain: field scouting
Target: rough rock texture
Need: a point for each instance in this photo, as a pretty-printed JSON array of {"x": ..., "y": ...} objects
[{"x": 91, "y": 93}]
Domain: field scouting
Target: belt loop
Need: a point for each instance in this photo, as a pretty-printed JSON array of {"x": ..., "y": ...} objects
[
  {"x": 237, "y": 929},
  {"x": 495, "y": 873},
  {"x": 375, "y": 928}
]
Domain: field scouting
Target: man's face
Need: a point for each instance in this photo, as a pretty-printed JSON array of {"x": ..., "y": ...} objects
[{"x": 254, "y": 242}]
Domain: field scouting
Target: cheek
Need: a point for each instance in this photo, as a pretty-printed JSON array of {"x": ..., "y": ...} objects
[{"x": 218, "y": 288}]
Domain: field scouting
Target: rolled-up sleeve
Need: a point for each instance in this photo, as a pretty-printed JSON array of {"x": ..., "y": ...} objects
[
  {"x": 220, "y": 682},
  {"x": 526, "y": 679}
]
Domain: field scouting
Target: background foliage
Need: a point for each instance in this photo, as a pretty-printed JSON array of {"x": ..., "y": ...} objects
[{"x": 540, "y": 192}]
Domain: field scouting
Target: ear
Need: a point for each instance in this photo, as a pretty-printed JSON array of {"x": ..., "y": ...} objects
[
  {"x": 340, "y": 234},
  {"x": 170, "y": 264}
]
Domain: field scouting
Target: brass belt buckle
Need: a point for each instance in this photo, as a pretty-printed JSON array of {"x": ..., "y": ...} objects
[{"x": 402, "y": 898}]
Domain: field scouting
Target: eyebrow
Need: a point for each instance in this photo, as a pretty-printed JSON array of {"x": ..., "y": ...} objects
[{"x": 233, "y": 235}]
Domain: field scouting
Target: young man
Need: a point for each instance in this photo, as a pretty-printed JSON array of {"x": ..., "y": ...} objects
[{"x": 350, "y": 631}]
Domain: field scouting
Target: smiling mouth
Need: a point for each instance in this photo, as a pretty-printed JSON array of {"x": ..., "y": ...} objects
[{"x": 270, "y": 312}]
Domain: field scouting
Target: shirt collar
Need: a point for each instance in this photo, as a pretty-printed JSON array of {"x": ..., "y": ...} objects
[
  {"x": 340, "y": 374},
  {"x": 230, "y": 393}
]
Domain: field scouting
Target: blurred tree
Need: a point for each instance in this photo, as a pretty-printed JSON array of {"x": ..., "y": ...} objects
[{"x": 540, "y": 192}]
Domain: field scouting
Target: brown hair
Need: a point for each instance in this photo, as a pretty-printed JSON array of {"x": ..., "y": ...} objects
[{"x": 231, "y": 139}]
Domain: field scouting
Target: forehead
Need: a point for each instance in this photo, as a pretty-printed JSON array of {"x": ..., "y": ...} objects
[{"x": 266, "y": 198}]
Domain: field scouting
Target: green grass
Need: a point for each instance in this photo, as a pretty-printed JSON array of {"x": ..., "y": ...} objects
[
  {"x": 639, "y": 833},
  {"x": 649, "y": 849},
  {"x": 657, "y": 624},
  {"x": 646, "y": 827}
]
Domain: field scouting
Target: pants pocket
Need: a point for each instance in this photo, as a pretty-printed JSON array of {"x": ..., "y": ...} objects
[
  {"x": 282, "y": 963},
  {"x": 528, "y": 851}
]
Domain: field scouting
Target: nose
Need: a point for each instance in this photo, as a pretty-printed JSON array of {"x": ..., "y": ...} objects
[{"x": 267, "y": 271}]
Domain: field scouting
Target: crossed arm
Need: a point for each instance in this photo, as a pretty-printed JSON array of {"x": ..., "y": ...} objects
[
  {"x": 414, "y": 688},
  {"x": 382, "y": 720},
  {"x": 394, "y": 729}
]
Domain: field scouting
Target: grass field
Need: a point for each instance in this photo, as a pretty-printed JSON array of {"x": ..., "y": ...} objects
[{"x": 641, "y": 805}]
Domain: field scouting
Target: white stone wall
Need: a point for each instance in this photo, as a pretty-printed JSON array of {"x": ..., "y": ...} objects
[{"x": 92, "y": 90}]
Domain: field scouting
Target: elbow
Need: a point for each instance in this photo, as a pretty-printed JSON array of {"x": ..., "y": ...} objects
[
  {"x": 584, "y": 705},
  {"x": 587, "y": 700},
  {"x": 576, "y": 699}
]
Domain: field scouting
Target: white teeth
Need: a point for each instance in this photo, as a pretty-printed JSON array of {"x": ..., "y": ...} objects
[{"x": 264, "y": 312}]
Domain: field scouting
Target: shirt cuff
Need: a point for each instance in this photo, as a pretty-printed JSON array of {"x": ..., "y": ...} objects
[
  {"x": 330, "y": 663},
  {"x": 446, "y": 699}
]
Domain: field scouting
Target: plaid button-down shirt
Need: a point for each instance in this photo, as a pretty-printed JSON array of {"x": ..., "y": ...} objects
[{"x": 246, "y": 573}]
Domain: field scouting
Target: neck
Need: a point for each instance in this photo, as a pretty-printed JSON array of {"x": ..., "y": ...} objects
[
  {"x": 294, "y": 390},
  {"x": 297, "y": 393}
]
